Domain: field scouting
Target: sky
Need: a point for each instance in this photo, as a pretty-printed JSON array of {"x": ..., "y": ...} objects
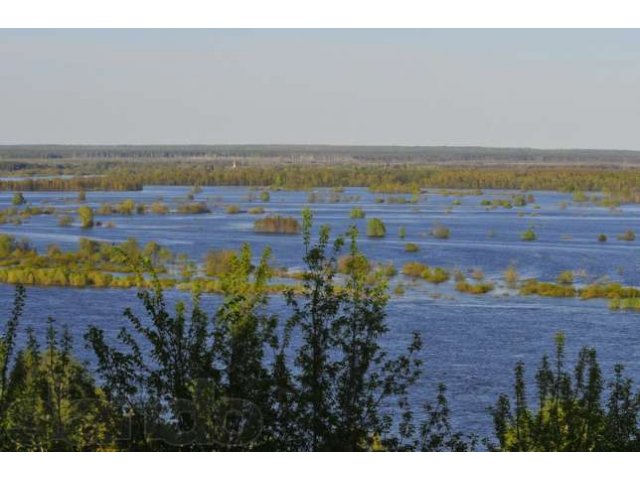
[{"x": 494, "y": 88}]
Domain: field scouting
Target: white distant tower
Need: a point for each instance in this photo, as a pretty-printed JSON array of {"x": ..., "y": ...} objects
[{"x": 234, "y": 164}]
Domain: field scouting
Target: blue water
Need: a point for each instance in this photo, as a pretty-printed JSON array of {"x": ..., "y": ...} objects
[{"x": 470, "y": 342}]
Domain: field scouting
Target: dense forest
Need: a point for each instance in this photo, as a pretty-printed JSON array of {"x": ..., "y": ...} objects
[
  {"x": 382, "y": 169},
  {"x": 316, "y": 378}
]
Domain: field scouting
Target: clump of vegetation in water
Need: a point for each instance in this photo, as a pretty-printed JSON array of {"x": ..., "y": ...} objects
[
  {"x": 528, "y": 235},
  {"x": 159, "y": 208},
  {"x": 18, "y": 199},
  {"x": 127, "y": 207},
  {"x": 474, "y": 288},
  {"x": 511, "y": 277},
  {"x": 402, "y": 232},
  {"x": 420, "y": 270},
  {"x": 376, "y": 228},
  {"x": 440, "y": 232},
  {"x": 411, "y": 247},
  {"x": 602, "y": 238},
  {"x": 86, "y": 216},
  {"x": 265, "y": 196},
  {"x": 233, "y": 209},
  {"x": 566, "y": 277},
  {"x": 191, "y": 208},
  {"x": 256, "y": 210},
  {"x": 519, "y": 201},
  {"x": 82, "y": 196},
  {"x": 625, "y": 304},
  {"x": 356, "y": 213},
  {"x": 546, "y": 289},
  {"x": 627, "y": 236},
  {"x": 277, "y": 224}
]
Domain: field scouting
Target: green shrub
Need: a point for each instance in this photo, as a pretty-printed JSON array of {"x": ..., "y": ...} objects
[
  {"x": 349, "y": 264},
  {"x": 193, "y": 208},
  {"x": 357, "y": 212},
  {"x": 602, "y": 238},
  {"x": 528, "y": 235},
  {"x": 376, "y": 228},
  {"x": 277, "y": 224},
  {"x": 18, "y": 199},
  {"x": 565, "y": 278},
  {"x": 218, "y": 262},
  {"x": 511, "y": 276},
  {"x": 411, "y": 248},
  {"x": 86, "y": 216},
  {"x": 473, "y": 288},
  {"x": 159, "y": 208},
  {"x": 265, "y": 196},
  {"x": 233, "y": 209},
  {"x": 256, "y": 210},
  {"x": 627, "y": 236}
]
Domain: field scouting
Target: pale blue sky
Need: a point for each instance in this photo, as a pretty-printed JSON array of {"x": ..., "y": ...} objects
[{"x": 519, "y": 88}]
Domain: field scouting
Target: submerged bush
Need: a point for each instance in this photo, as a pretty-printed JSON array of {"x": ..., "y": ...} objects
[
  {"x": 376, "y": 228},
  {"x": 627, "y": 236},
  {"x": 511, "y": 276},
  {"x": 411, "y": 248},
  {"x": 546, "y": 289},
  {"x": 277, "y": 224},
  {"x": 529, "y": 235},
  {"x": 473, "y": 288},
  {"x": 356, "y": 213},
  {"x": 193, "y": 208},
  {"x": 566, "y": 277},
  {"x": 440, "y": 232}
]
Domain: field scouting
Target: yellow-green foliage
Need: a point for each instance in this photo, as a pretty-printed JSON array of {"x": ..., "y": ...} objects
[
  {"x": 420, "y": 270},
  {"x": 627, "y": 236},
  {"x": 256, "y": 210},
  {"x": 414, "y": 269},
  {"x": 86, "y": 216},
  {"x": 376, "y": 228},
  {"x": 159, "y": 208},
  {"x": 218, "y": 262},
  {"x": 511, "y": 276},
  {"x": 277, "y": 224},
  {"x": 473, "y": 288},
  {"x": 357, "y": 212},
  {"x": 566, "y": 277},
  {"x": 348, "y": 264},
  {"x": 529, "y": 235},
  {"x": 411, "y": 248},
  {"x": 193, "y": 208},
  {"x": 233, "y": 209},
  {"x": 546, "y": 289}
]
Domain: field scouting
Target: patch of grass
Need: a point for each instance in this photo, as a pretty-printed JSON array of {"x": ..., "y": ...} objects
[{"x": 411, "y": 248}]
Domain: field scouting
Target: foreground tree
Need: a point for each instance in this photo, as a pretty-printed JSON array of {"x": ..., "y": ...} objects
[
  {"x": 571, "y": 415},
  {"x": 48, "y": 400}
]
